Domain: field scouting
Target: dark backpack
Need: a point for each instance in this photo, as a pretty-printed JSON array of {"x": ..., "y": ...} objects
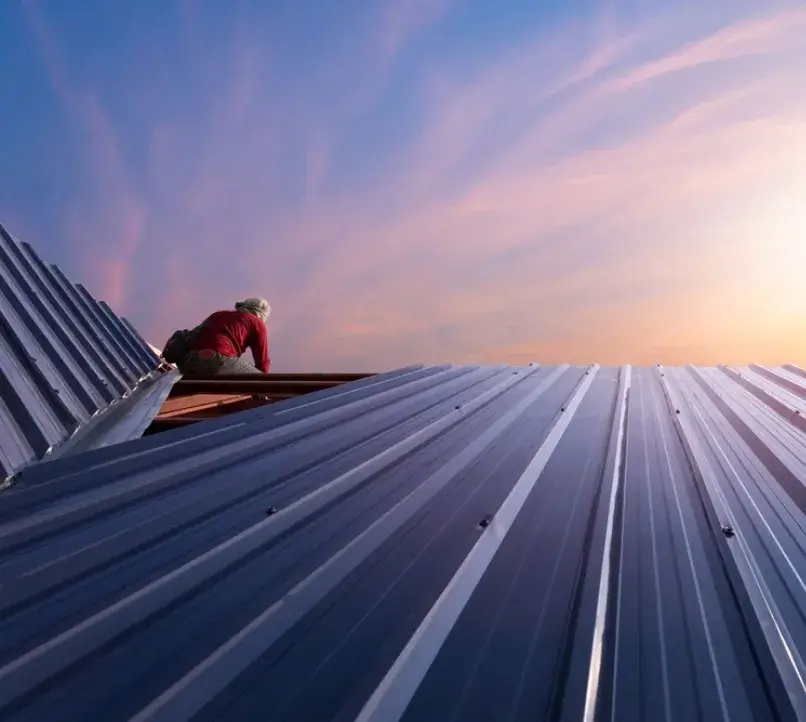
[{"x": 178, "y": 345}]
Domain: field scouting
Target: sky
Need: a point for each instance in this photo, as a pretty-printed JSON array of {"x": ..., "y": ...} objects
[{"x": 422, "y": 181}]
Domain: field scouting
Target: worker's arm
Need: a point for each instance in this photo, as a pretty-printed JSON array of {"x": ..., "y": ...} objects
[{"x": 260, "y": 347}]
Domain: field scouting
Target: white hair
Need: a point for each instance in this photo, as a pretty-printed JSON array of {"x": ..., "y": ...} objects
[{"x": 258, "y": 306}]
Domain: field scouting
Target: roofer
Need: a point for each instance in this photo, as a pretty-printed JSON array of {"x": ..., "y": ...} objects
[{"x": 218, "y": 343}]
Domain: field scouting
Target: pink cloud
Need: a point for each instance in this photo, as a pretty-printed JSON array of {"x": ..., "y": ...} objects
[
  {"x": 521, "y": 84},
  {"x": 110, "y": 236},
  {"x": 120, "y": 233},
  {"x": 748, "y": 38},
  {"x": 548, "y": 240},
  {"x": 655, "y": 199}
]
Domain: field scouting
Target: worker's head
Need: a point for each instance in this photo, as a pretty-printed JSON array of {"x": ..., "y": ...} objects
[{"x": 257, "y": 306}]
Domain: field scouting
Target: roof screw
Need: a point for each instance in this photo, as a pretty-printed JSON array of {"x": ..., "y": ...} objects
[
  {"x": 677, "y": 411},
  {"x": 728, "y": 531},
  {"x": 797, "y": 413},
  {"x": 271, "y": 511},
  {"x": 563, "y": 408},
  {"x": 457, "y": 407},
  {"x": 485, "y": 522}
]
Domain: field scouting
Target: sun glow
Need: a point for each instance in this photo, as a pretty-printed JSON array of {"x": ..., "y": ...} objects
[{"x": 782, "y": 249}]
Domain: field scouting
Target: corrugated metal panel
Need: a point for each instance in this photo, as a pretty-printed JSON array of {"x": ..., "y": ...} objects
[
  {"x": 437, "y": 543},
  {"x": 63, "y": 356},
  {"x": 127, "y": 419}
]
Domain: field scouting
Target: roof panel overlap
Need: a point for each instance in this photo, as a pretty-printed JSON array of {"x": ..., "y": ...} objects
[{"x": 63, "y": 357}]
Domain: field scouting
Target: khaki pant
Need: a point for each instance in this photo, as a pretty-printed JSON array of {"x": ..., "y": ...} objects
[{"x": 211, "y": 363}]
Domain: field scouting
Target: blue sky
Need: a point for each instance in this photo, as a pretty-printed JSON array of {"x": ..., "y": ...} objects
[{"x": 422, "y": 180}]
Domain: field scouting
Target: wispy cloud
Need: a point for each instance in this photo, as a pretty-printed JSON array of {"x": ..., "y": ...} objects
[
  {"x": 572, "y": 200},
  {"x": 528, "y": 246},
  {"x": 741, "y": 39},
  {"x": 108, "y": 236}
]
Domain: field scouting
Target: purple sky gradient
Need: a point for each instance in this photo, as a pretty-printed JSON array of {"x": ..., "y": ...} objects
[{"x": 423, "y": 180}]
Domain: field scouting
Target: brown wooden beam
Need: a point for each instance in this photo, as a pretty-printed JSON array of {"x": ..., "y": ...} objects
[
  {"x": 244, "y": 403},
  {"x": 325, "y": 377},
  {"x": 189, "y": 405},
  {"x": 186, "y": 387}
]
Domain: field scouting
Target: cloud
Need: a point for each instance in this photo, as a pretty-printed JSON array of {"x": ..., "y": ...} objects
[
  {"x": 574, "y": 199},
  {"x": 741, "y": 39},
  {"x": 533, "y": 247},
  {"x": 109, "y": 236}
]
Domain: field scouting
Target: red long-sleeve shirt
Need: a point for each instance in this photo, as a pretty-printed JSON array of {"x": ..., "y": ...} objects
[{"x": 230, "y": 333}]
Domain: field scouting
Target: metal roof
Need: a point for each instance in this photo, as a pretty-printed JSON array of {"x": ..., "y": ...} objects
[
  {"x": 439, "y": 543},
  {"x": 64, "y": 356}
]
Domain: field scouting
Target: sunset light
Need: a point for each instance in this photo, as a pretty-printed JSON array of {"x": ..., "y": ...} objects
[
  {"x": 403, "y": 361},
  {"x": 428, "y": 180}
]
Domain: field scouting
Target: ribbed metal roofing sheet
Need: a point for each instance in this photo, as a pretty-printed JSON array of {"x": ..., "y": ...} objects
[
  {"x": 63, "y": 356},
  {"x": 440, "y": 543}
]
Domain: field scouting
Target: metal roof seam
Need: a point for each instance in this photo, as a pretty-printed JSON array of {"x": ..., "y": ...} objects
[
  {"x": 776, "y": 399},
  {"x": 122, "y": 374},
  {"x": 246, "y": 442},
  {"x": 86, "y": 352},
  {"x": 391, "y": 697},
  {"x": 109, "y": 550},
  {"x": 56, "y": 364},
  {"x": 638, "y": 555},
  {"x": 592, "y": 694},
  {"x": 786, "y": 442},
  {"x": 28, "y": 300},
  {"x": 737, "y": 552},
  {"x": 22, "y": 677},
  {"x": 781, "y": 380},
  {"x": 182, "y": 700},
  {"x": 791, "y": 368},
  {"x": 188, "y": 440},
  {"x": 165, "y": 478}
]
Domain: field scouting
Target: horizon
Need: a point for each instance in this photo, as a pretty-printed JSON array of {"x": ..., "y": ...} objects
[{"x": 423, "y": 181}]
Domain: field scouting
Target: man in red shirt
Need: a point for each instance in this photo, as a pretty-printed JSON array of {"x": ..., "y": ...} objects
[{"x": 217, "y": 345}]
